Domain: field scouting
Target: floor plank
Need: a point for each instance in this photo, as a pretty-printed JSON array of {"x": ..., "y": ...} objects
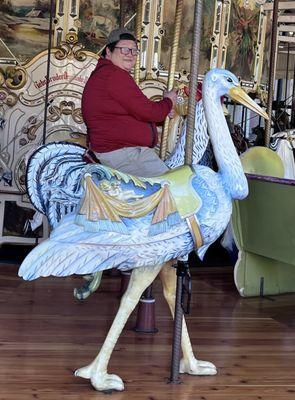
[{"x": 45, "y": 334}]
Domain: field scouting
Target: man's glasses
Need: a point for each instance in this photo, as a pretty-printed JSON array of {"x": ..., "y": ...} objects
[{"x": 127, "y": 50}]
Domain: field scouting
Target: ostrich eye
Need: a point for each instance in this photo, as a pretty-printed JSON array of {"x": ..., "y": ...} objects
[{"x": 230, "y": 80}]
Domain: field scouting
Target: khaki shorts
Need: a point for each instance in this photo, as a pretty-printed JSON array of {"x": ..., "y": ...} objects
[{"x": 140, "y": 161}]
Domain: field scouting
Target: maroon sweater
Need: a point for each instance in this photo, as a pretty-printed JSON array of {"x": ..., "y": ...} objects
[{"x": 116, "y": 112}]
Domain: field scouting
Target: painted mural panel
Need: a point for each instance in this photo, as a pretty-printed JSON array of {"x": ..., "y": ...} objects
[
  {"x": 99, "y": 17},
  {"x": 185, "y": 43},
  {"x": 24, "y": 28},
  {"x": 242, "y": 38}
]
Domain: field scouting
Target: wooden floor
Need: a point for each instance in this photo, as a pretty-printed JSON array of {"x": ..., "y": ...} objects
[{"x": 45, "y": 335}]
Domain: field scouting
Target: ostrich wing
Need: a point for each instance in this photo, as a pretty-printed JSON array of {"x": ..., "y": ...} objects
[{"x": 72, "y": 250}]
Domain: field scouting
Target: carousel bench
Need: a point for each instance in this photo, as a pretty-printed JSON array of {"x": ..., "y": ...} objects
[{"x": 264, "y": 229}]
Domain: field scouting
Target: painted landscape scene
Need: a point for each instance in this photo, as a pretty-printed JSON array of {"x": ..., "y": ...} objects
[
  {"x": 24, "y": 28},
  {"x": 99, "y": 17}
]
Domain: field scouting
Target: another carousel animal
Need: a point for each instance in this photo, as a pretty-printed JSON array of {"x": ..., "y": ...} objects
[{"x": 147, "y": 243}]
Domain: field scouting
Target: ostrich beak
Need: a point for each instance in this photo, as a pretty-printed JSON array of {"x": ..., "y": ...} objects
[{"x": 239, "y": 95}]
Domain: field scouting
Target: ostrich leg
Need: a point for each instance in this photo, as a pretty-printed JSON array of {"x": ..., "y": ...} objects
[
  {"x": 93, "y": 282},
  {"x": 188, "y": 364},
  {"x": 140, "y": 279}
]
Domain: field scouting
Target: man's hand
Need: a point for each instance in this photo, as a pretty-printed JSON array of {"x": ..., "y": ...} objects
[
  {"x": 172, "y": 113},
  {"x": 172, "y": 95}
]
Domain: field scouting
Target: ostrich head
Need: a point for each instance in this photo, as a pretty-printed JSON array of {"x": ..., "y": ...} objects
[{"x": 219, "y": 82}]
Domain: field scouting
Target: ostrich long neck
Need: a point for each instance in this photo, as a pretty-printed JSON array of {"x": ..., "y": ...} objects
[{"x": 225, "y": 153}]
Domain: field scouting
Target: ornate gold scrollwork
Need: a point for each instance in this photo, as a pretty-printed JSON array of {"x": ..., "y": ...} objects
[
  {"x": 13, "y": 78},
  {"x": 2, "y": 79},
  {"x": 70, "y": 48},
  {"x": 262, "y": 94},
  {"x": 7, "y": 98},
  {"x": 66, "y": 108}
]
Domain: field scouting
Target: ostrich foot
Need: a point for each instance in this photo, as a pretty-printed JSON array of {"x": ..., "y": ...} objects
[
  {"x": 91, "y": 285},
  {"x": 88, "y": 277},
  {"x": 197, "y": 367},
  {"x": 102, "y": 380}
]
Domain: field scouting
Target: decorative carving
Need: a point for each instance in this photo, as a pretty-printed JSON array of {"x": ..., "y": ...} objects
[
  {"x": 251, "y": 4},
  {"x": 30, "y": 129},
  {"x": 13, "y": 78},
  {"x": 66, "y": 108},
  {"x": 71, "y": 49},
  {"x": 7, "y": 98},
  {"x": 2, "y": 79},
  {"x": 262, "y": 94},
  {"x": 20, "y": 175}
]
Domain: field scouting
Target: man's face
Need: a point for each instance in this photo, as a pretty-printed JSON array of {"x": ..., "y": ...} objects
[{"x": 118, "y": 56}]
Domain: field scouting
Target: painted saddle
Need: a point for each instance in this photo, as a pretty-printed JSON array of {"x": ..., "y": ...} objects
[{"x": 113, "y": 200}]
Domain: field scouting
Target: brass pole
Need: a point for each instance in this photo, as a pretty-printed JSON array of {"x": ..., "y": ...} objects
[
  {"x": 170, "y": 83},
  {"x": 193, "y": 84},
  {"x": 138, "y": 37},
  {"x": 51, "y": 16},
  {"x": 271, "y": 76}
]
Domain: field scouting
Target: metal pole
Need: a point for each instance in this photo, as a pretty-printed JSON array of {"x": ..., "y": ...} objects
[
  {"x": 293, "y": 101},
  {"x": 48, "y": 71},
  {"x": 193, "y": 85},
  {"x": 243, "y": 118},
  {"x": 234, "y": 112},
  {"x": 170, "y": 83},
  {"x": 245, "y": 122},
  {"x": 287, "y": 75},
  {"x": 271, "y": 76},
  {"x": 138, "y": 37},
  {"x": 182, "y": 265},
  {"x": 177, "y": 329}
]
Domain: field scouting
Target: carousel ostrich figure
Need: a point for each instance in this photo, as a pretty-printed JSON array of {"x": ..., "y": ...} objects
[
  {"x": 60, "y": 167},
  {"x": 81, "y": 248}
]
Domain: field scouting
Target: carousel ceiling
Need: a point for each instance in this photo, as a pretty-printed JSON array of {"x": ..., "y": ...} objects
[
  {"x": 286, "y": 24},
  {"x": 286, "y": 38}
]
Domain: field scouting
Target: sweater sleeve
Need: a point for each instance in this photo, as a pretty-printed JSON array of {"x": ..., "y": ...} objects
[{"x": 124, "y": 90}]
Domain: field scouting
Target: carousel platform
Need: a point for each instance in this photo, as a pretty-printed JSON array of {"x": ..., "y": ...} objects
[{"x": 45, "y": 334}]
